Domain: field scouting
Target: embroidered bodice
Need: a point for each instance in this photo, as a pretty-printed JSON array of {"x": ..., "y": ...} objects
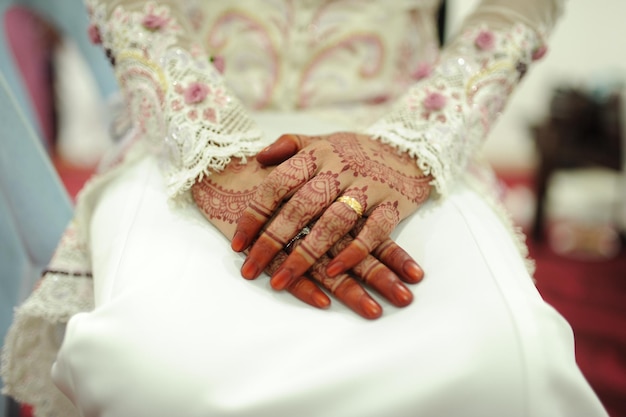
[
  {"x": 294, "y": 54},
  {"x": 285, "y": 54}
]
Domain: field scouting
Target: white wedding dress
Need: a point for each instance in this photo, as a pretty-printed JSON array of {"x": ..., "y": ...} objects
[{"x": 159, "y": 320}]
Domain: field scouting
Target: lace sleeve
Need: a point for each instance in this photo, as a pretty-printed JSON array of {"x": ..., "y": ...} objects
[
  {"x": 442, "y": 120},
  {"x": 176, "y": 97}
]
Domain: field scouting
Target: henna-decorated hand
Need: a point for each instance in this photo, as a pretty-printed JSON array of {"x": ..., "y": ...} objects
[
  {"x": 329, "y": 180},
  {"x": 222, "y": 197}
]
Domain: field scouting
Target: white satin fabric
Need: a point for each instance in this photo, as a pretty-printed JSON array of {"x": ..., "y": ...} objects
[{"x": 177, "y": 332}]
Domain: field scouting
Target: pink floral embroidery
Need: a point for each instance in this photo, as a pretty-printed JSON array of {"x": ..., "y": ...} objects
[
  {"x": 177, "y": 105},
  {"x": 485, "y": 40},
  {"x": 539, "y": 52},
  {"x": 218, "y": 63},
  {"x": 195, "y": 93},
  {"x": 434, "y": 101},
  {"x": 152, "y": 21},
  {"x": 220, "y": 97},
  {"x": 210, "y": 115},
  {"x": 94, "y": 34},
  {"x": 423, "y": 70}
]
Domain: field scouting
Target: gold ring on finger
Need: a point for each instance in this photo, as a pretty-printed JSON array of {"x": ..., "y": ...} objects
[{"x": 352, "y": 203}]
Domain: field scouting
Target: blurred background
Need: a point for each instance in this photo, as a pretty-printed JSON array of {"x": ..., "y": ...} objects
[{"x": 558, "y": 151}]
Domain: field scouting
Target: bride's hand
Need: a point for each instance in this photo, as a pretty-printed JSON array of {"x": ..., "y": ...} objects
[
  {"x": 222, "y": 198},
  {"x": 333, "y": 180}
]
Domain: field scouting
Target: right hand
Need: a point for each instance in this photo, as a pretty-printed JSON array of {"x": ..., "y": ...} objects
[
  {"x": 349, "y": 185},
  {"x": 222, "y": 198}
]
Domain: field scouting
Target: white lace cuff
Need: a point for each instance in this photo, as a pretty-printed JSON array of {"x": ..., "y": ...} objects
[
  {"x": 442, "y": 120},
  {"x": 177, "y": 98}
]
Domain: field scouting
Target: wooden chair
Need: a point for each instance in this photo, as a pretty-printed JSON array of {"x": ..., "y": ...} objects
[{"x": 580, "y": 132}]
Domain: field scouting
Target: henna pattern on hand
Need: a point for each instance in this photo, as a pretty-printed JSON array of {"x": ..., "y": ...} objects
[
  {"x": 311, "y": 199},
  {"x": 338, "y": 224},
  {"x": 219, "y": 203},
  {"x": 352, "y": 154},
  {"x": 303, "y": 207},
  {"x": 379, "y": 225},
  {"x": 340, "y": 220},
  {"x": 291, "y": 174}
]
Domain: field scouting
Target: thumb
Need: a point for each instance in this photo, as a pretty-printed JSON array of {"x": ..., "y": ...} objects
[{"x": 284, "y": 148}]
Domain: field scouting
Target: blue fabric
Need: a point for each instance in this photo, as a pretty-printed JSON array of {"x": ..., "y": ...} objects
[{"x": 34, "y": 206}]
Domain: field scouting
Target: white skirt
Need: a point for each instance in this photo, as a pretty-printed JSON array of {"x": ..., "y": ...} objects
[{"x": 177, "y": 332}]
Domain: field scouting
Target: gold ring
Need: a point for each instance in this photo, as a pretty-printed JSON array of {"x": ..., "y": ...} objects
[{"x": 352, "y": 203}]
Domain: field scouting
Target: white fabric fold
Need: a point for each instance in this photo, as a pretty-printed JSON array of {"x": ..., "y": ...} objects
[{"x": 177, "y": 331}]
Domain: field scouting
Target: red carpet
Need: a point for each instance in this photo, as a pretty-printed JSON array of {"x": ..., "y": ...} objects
[{"x": 592, "y": 297}]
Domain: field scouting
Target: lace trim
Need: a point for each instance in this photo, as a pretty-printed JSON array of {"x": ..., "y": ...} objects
[
  {"x": 203, "y": 136},
  {"x": 36, "y": 334},
  {"x": 443, "y": 120},
  {"x": 177, "y": 97},
  {"x": 34, "y": 339}
]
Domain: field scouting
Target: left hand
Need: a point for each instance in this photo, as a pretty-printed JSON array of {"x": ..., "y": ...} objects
[
  {"x": 333, "y": 179},
  {"x": 223, "y": 196}
]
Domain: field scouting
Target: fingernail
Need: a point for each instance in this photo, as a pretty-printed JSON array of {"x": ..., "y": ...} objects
[
  {"x": 413, "y": 271},
  {"x": 321, "y": 300},
  {"x": 335, "y": 268},
  {"x": 250, "y": 269},
  {"x": 370, "y": 307},
  {"x": 402, "y": 295},
  {"x": 239, "y": 242},
  {"x": 287, "y": 146},
  {"x": 281, "y": 279}
]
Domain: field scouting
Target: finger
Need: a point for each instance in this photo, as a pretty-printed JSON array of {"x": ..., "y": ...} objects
[
  {"x": 303, "y": 289},
  {"x": 379, "y": 277},
  {"x": 376, "y": 229},
  {"x": 394, "y": 257},
  {"x": 338, "y": 219},
  {"x": 347, "y": 290},
  {"x": 307, "y": 291},
  {"x": 384, "y": 281},
  {"x": 399, "y": 261},
  {"x": 306, "y": 204},
  {"x": 285, "y": 147},
  {"x": 286, "y": 178}
]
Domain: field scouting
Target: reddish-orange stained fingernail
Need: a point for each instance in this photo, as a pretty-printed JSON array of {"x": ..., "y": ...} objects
[
  {"x": 413, "y": 271},
  {"x": 283, "y": 146},
  {"x": 239, "y": 242},
  {"x": 281, "y": 279},
  {"x": 321, "y": 300},
  {"x": 335, "y": 268},
  {"x": 371, "y": 309},
  {"x": 402, "y": 295},
  {"x": 250, "y": 269}
]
